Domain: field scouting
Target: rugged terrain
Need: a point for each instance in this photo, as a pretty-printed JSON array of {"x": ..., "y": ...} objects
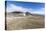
[{"x": 24, "y": 22}]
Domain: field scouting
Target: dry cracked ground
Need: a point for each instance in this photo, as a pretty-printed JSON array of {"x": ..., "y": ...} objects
[{"x": 24, "y": 22}]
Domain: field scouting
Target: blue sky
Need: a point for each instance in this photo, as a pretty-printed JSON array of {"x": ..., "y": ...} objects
[
  {"x": 28, "y": 4},
  {"x": 33, "y": 7}
]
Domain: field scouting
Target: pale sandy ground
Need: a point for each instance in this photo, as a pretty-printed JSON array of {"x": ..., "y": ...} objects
[{"x": 25, "y": 22}]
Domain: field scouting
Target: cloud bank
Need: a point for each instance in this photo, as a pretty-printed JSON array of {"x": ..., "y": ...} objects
[{"x": 13, "y": 7}]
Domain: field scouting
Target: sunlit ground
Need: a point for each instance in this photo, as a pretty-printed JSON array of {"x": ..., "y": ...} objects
[{"x": 24, "y": 22}]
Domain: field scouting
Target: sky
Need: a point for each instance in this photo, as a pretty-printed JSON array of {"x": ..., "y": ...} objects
[{"x": 32, "y": 7}]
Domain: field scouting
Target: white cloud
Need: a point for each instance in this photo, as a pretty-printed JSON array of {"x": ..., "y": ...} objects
[
  {"x": 39, "y": 11},
  {"x": 13, "y": 7}
]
